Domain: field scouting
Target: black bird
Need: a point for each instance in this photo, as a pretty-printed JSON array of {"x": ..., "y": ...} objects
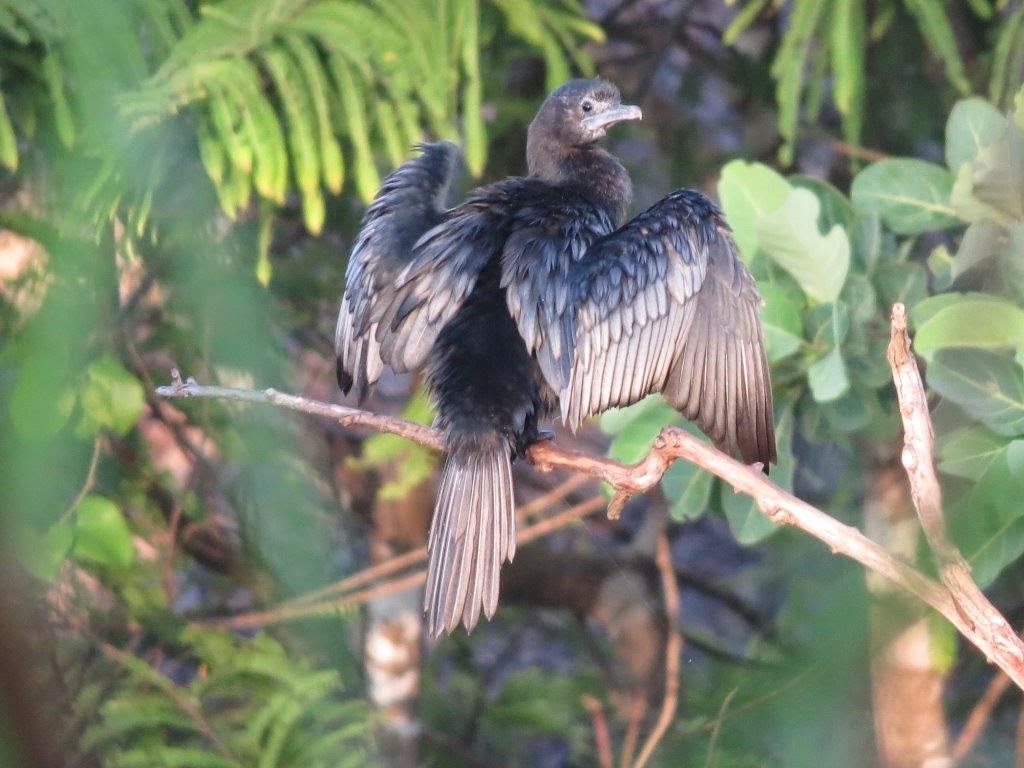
[{"x": 529, "y": 295}]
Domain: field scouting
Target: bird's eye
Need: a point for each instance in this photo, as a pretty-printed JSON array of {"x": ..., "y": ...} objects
[{"x": 586, "y": 106}]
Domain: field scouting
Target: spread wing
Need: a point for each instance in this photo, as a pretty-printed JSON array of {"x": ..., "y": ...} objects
[
  {"x": 411, "y": 200},
  {"x": 447, "y": 261},
  {"x": 548, "y": 238},
  {"x": 664, "y": 304}
]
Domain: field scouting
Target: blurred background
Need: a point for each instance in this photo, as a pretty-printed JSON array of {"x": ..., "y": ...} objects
[{"x": 202, "y": 583}]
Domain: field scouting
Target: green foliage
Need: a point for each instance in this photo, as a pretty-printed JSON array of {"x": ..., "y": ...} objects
[
  {"x": 101, "y": 536},
  {"x": 248, "y": 704},
  {"x": 291, "y": 95},
  {"x": 827, "y": 298},
  {"x": 830, "y": 39}
]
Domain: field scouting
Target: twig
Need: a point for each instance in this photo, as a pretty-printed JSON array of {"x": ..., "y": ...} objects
[
  {"x": 636, "y": 718},
  {"x": 917, "y": 458},
  {"x": 861, "y": 153},
  {"x": 602, "y": 736},
  {"x": 979, "y": 717},
  {"x": 347, "y": 417},
  {"x": 300, "y": 609},
  {"x": 673, "y": 649},
  {"x": 997, "y": 642},
  {"x": 90, "y": 480}
]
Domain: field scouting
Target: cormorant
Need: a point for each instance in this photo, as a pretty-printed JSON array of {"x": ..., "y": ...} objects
[{"x": 529, "y": 295}]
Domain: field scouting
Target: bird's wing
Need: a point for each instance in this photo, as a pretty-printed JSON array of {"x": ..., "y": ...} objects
[
  {"x": 664, "y": 304},
  {"x": 411, "y": 200},
  {"x": 446, "y": 263},
  {"x": 548, "y": 238}
]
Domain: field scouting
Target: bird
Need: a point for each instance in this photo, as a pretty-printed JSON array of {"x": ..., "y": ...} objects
[{"x": 534, "y": 297}]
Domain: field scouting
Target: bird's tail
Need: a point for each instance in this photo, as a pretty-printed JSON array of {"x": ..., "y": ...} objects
[{"x": 471, "y": 535}]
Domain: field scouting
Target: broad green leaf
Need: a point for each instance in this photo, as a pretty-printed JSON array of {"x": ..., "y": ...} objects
[
  {"x": 968, "y": 451},
  {"x": 748, "y": 191},
  {"x": 40, "y": 402},
  {"x": 987, "y": 385},
  {"x": 827, "y": 377},
  {"x": 747, "y": 523},
  {"x": 988, "y": 523},
  {"x": 687, "y": 488},
  {"x": 101, "y": 534},
  {"x": 995, "y": 177},
  {"x": 972, "y": 125},
  {"x": 971, "y": 322},
  {"x": 911, "y": 196},
  {"x": 112, "y": 398},
  {"x": 790, "y": 235},
  {"x": 835, "y": 208},
  {"x": 43, "y": 555},
  {"x": 905, "y": 281},
  {"x": 780, "y": 317},
  {"x": 983, "y": 240}
]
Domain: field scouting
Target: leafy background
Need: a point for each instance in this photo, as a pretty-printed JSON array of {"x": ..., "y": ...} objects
[{"x": 180, "y": 185}]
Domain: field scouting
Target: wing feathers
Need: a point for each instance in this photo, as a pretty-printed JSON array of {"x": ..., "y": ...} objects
[{"x": 664, "y": 304}]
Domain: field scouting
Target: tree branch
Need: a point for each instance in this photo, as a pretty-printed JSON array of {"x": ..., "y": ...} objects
[
  {"x": 984, "y": 627},
  {"x": 918, "y": 451}
]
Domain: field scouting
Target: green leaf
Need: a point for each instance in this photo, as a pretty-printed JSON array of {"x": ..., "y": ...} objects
[
  {"x": 827, "y": 377},
  {"x": 988, "y": 524},
  {"x": 40, "y": 403},
  {"x": 973, "y": 321},
  {"x": 747, "y": 523},
  {"x": 101, "y": 534},
  {"x": 780, "y": 317},
  {"x": 44, "y": 555},
  {"x": 112, "y": 398},
  {"x": 994, "y": 179},
  {"x": 847, "y": 48},
  {"x": 748, "y": 191},
  {"x": 972, "y": 125},
  {"x": 788, "y": 69},
  {"x": 790, "y": 235},
  {"x": 687, "y": 488},
  {"x": 938, "y": 33},
  {"x": 8, "y": 143},
  {"x": 911, "y": 196},
  {"x": 1007, "y": 57},
  {"x": 968, "y": 451},
  {"x": 987, "y": 385},
  {"x": 906, "y": 282}
]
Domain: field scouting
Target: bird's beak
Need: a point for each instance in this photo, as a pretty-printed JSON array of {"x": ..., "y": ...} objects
[{"x": 612, "y": 116}]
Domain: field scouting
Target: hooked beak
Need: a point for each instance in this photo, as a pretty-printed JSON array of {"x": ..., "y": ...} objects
[{"x": 611, "y": 116}]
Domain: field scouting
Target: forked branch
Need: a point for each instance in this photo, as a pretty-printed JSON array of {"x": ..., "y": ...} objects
[{"x": 957, "y": 598}]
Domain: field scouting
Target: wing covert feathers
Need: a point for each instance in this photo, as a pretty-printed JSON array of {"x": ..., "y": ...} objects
[
  {"x": 472, "y": 533},
  {"x": 664, "y": 304},
  {"x": 411, "y": 200}
]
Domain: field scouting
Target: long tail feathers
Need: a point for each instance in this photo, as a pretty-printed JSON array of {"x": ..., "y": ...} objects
[{"x": 471, "y": 535}]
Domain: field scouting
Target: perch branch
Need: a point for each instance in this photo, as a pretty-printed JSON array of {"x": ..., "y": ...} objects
[
  {"x": 994, "y": 638},
  {"x": 918, "y": 461}
]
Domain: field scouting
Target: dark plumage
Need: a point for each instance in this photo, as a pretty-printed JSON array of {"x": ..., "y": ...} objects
[{"x": 529, "y": 295}]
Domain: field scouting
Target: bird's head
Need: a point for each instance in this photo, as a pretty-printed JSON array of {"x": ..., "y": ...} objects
[{"x": 579, "y": 113}]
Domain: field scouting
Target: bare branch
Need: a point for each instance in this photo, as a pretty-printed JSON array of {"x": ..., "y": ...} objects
[
  {"x": 979, "y": 717},
  {"x": 917, "y": 458},
  {"x": 673, "y": 648},
  {"x": 992, "y": 636}
]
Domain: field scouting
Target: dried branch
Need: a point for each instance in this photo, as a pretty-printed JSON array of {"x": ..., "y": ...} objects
[
  {"x": 602, "y": 736},
  {"x": 306, "y": 606},
  {"x": 673, "y": 649},
  {"x": 917, "y": 459},
  {"x": 989, "y": 633},
  {"x": 979, "y": 717}
]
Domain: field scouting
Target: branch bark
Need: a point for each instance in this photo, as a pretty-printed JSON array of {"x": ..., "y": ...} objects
[
  {"x": 973, "y": 607},
  {"x": 957, "y": 600}
]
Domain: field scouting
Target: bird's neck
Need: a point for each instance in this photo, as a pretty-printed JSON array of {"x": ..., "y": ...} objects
[{"x": 596, "y": 173}]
